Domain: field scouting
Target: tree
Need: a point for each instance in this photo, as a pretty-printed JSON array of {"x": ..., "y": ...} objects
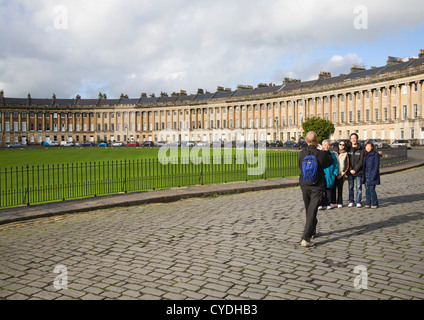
[{"x": 323, "y": 128}]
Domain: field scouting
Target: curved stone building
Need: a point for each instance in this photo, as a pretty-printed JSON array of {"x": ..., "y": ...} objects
[{"x": 385, "y": 102}]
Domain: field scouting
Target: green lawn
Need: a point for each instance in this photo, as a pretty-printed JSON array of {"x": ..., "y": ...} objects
[{"x": 54, "y": 174}]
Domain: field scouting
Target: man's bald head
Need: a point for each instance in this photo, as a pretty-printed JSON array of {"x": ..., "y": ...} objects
[{"x": 311, "y": 138}]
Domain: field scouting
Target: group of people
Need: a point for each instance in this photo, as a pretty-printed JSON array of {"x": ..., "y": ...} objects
[{"x": 323, "y": 173}]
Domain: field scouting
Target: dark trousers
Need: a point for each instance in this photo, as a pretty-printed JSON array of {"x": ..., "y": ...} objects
[
  {"x": 338, "y": 189},
  {"x": 312, "y": 199},
  {"x": 327, "y": 197}
]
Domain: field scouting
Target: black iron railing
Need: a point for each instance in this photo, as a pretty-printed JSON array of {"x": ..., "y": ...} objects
[{"x": 49, "y": 183}]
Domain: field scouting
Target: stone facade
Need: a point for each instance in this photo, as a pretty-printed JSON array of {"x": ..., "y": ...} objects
[{"x": 385, "y": 103}]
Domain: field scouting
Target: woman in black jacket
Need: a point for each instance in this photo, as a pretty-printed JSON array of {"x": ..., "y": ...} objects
[
  {"x": 371, "y": 175},
  {"x": 356, "y": 157}
]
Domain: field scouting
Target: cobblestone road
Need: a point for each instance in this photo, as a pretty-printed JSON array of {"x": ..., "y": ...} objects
[{"x": 244, "y": 246}]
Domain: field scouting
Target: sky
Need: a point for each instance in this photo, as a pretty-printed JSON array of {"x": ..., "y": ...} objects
[{"x": 83, "y": 47}]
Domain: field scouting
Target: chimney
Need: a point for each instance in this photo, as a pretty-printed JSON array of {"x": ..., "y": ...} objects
[
  {"x": 393, "y": 60},
  {"x": 324, "y": 75},
  {"x": 29, "y": 99},
  {"x": 2, "y": 96},
  {"x": 288, "y": 80},
  {"x": 355, "y": 68},
  {"x": 53, "y": 99},
  {"x": 199, "y": 91},
  {"x": 183, "y": 93},
  {"x": 220, "y": 89},
  {"x": 262, "y": 85},
  {"x": 143, "y": 95},
  {"x": 421, "y": 55},
  {"x": 242, "y": 87},
  {"x": 164, "y": 94}
]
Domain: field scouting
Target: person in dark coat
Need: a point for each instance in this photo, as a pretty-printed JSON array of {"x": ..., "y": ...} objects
[
  {"x": 371, "y": 175},
  {"x": 356, "y": 157},
  {"x": 313, "y": 193}
]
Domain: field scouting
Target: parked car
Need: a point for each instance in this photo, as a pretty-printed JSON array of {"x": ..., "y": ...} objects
[
  {"x": 261, "y": 144},
  {"x": 189, "y": 144},
  {"x": 87, "y": 144},
  {"x": 103, "y": 144},
  {"x": 66, "y": 144},
  {"x": 161, "y": 144},
  {"x": 133, "y": 144},
  {"x": 276, "y": 144},
  {"x": 401, "y": 143},
  {"x": 116, "y": 144},
  {"x": 202, "y": 144},
  {"x": 174, "y": 144},
  {"x": 14, "y": 145},
  {"x": 148, "y": 144},
  {"x": 51, "y": 143},
  {"x": 290, "y": 144},
  {"x": 217, "y": 144}
]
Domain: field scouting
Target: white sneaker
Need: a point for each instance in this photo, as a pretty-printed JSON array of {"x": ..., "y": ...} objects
[
  {"x": 340, "y": 206},
  {"x": 358, "y": 205},
  {"x": 329, "y": 207},
  {"x": 350, "y": 205},
  {"x": 306, "y": 244},
  {"x": 320, "y": 208}
]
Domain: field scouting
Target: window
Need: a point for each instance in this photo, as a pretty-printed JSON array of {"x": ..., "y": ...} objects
[
  {"x": 404, "y": 89},
  {"x": 394, "y": 113},
  {"x": 404, "y": 112},
  {"x": 358, "y": 117},
  {"x": 367, "y": 115},
  {"x": 386, "y": 114},
  {"x": 415, "y": 111},
  {"x": 376, "y": 114},
  {"x": 350, "y": 116}
]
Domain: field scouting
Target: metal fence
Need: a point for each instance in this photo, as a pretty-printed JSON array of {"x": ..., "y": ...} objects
[{"x": 49, "y": 183}]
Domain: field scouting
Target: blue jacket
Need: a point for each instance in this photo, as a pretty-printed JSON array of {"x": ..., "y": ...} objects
[
  {"x": 332, "y": 172},
  {"x": 371, "y": 169}
]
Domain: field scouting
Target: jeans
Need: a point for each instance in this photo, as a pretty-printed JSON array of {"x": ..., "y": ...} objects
[
  {"x": 371, "y": 196},
  {"x": 352, "y": 181}
]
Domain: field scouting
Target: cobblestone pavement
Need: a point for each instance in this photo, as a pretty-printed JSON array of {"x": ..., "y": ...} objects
[{"x": 242, "y": 246}]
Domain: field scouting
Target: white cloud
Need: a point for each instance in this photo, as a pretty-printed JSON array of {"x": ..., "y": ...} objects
[{"x": 168, "y": 45}]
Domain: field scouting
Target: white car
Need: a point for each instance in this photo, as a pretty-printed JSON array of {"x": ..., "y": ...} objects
[
  {"x": 66, "y": 144},
  {"x": 403, "y": 143},
  {"x": 116, "y": 144}
]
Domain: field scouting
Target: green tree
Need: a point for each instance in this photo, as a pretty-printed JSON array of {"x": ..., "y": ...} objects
[{"x": 323, "y": 128}]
